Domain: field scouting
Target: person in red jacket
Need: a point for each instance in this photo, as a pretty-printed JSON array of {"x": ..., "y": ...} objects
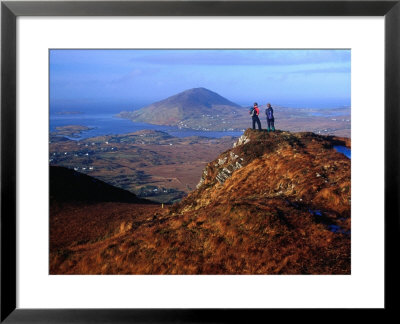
[{"x": 254, "y": 112}]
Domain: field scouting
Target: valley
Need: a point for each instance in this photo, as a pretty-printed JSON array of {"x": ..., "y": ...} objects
[{"x": 151, "y": 164}]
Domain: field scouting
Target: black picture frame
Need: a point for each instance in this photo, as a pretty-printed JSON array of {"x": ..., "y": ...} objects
[{"x": 10, "y": 10}]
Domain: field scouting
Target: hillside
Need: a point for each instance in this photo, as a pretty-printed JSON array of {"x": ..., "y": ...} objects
[
  {"x": 276, "y": 203},
  {"x": 197, "y": 108},
  {"x": 69, "y": 185},
  {"x": 80, "y": 208}
]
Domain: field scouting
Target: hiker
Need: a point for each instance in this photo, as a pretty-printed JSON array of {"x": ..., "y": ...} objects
[
  {"x": 270, "y": 117},
  {"x": 254, "y": 112}
]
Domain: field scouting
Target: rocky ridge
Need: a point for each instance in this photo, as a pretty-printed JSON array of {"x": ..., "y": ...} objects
[{"x": 284, "y": 155}]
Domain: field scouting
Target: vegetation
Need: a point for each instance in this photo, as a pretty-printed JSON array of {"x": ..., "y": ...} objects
[{"x": 276, "y": 203}]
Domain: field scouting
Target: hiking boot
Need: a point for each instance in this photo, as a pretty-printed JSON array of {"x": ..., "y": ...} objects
[
  {"x": 273, "y": 129},
  {"x": 268, "y": 130}
]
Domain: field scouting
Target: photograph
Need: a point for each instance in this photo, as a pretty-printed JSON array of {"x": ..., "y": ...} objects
[{"x": 200, "y": 161}]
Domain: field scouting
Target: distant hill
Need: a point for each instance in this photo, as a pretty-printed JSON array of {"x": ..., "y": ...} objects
[
  {"x": 68, "y": 185},
  {"x": 203, "y": 109},
  {"x": 197, "y": 108}
]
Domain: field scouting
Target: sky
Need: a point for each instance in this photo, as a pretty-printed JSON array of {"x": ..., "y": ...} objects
[{"x": 115, "y": 80}]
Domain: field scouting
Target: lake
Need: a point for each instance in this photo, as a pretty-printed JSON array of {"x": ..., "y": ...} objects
[
  {"x": 344, "y": 150},
  {"x": 108, "y": 124}
]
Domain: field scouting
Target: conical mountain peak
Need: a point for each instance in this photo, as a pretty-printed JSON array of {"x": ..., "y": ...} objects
[{"x": 196, "y": 108}]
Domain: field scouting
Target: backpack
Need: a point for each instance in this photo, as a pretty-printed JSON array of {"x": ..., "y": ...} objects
[{"x": 252, "y": 111}]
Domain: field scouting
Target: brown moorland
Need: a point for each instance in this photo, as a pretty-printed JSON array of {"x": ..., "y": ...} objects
[{"x": 276, "y": 203}]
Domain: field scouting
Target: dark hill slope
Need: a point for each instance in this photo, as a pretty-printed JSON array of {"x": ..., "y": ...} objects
[
  {"x": 68, "y": 185},
  {"x": 84, "y": 209},
  {"x": 276, "y": 203},
  {"x": 197, "y": 108}
]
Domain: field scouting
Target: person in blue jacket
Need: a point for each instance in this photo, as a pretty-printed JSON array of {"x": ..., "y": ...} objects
[{"x": 270, "y": 118}]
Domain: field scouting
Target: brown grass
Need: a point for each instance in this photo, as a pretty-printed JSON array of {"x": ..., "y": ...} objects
[{"x": 262, "y": 220}]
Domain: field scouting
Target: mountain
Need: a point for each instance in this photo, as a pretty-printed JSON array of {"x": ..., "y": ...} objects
[
  {"x": 281, "y": 199},
  {"x": 275, "y": 203},
  {"x": 67, "y": 185},
  {"x": 197, "y": 108},
  {"x": 202, "y": 109}
]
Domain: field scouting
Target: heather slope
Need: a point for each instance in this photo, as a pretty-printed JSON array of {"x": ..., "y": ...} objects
[
  {"x": 276, "y": 203},
  {"x": 301, "y": 167}
]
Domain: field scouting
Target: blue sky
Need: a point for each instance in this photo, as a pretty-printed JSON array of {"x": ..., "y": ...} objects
[{"x": 115, "y": 80}]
